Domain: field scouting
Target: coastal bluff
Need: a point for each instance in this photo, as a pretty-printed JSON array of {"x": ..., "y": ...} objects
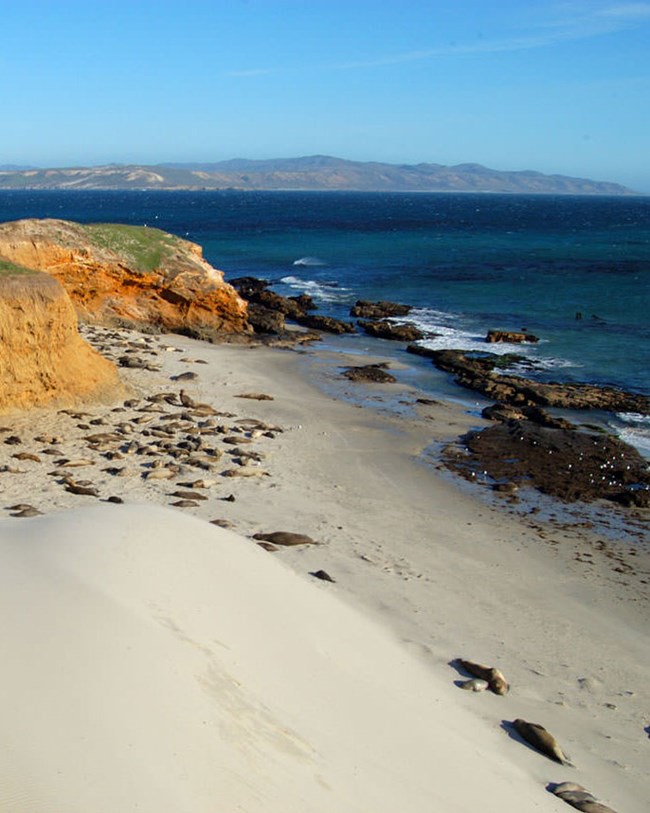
[
  {"x": 43, "y": 359},
  {"x": 132, "y": 276}
]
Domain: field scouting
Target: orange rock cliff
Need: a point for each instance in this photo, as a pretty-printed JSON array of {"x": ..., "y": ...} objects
[
  {"x": 129, "y": 275},
  {"x": 43, "y": 359}
]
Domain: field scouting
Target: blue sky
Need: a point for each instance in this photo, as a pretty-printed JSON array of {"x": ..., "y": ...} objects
[{"x": 554, "y": 86}]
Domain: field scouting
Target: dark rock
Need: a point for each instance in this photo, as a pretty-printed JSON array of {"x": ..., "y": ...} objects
[
  {"x": 510, "y": 336},
  {"x": 378, "y": 310},
  {"x": 304, "y": 302},
  {"x": 325, "y": 323},
  {"x": 418, "y": 350},
  {"x": 248, "y": 286},
  {"x": 569, "y": 464},
  {"x": 503, "y": 413},
  {"x": 370, "y": 372},
  {"x": 506, "y": 412},
  {"x": 323, "y": 575},
  {"x": 476, "y": 372},
  {"x": 505, "y": 488},
  {"x": 389, "y": 330},
  {"x": 265, "y": 320},
  {"x": 287, "y": 307},
  {"x": 639, "y": 498}
]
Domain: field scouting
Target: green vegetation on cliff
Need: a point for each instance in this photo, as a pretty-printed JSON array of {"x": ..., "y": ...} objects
[
  {"x": 9, "y": 269},
  {"x": 143, "y": 249}
]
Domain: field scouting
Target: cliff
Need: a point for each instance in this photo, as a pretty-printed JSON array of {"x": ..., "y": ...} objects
[
  {"x": 313, "y": 172},
  {"x": 42, "y": 357},
  {"x": 129, "y": 275}
]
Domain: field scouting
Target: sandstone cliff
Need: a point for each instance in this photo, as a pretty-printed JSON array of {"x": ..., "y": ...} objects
[
  {"x": 130, "y": 275},
  {"x": 42, "y": 357}
]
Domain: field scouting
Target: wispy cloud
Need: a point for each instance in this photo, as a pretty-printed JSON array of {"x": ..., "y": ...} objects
[
  {"x": 562, "y": 28},
  {"x": 627, "y": 11}
]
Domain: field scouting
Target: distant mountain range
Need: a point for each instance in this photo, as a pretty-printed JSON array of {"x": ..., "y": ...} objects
[{"x": 316, "y": 172}]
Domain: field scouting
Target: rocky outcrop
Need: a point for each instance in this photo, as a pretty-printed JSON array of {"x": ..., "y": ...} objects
[
  {"x": 129, "y": 275},
  {"x": 505, "y": 413},
  {"x": 43, "y": 360},
  {"x": 265, "y": 320},
  {"x": 375, "y": 373},
  {"x": 566, "y": 463},
  {"x": 510, "y": 337},
  {"x": 325, "y": 323},
  {"x": 477, "y": 373},
  {"x": 268, "y": 310},
  {"x": 364, "y": 309},
  {"x": 383, "y": 329}
]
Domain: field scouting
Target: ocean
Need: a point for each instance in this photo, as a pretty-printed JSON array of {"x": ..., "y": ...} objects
[{"x": 574, "y": 271}]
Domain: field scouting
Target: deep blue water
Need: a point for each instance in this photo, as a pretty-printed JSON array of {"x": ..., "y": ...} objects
[{"x": 468, "y": 262}]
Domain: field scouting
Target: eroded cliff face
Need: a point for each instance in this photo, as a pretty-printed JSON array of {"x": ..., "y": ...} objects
[
  {"x": 43, "y": 359},
  {"x": 129, "y": 275}
]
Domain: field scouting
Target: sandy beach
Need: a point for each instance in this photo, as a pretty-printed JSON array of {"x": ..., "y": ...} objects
[{"x": 168, "y": 663}]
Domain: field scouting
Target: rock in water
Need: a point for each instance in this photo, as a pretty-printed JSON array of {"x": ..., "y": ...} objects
[
  {"x": 510, "y": 336},
  {"x": 375, "y": 373}
]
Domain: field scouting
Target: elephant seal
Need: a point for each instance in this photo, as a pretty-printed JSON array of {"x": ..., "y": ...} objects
[
  {"x": 285, "y": 538},
  {"x": 496, "y": 681},
  {"x": 563, "y": 787},
  {"x": 474, "y": 685},
  {"x": 592, "y": 807},
  {"x": 542, "y": 740},
  {"x": 576, "y": 797}
]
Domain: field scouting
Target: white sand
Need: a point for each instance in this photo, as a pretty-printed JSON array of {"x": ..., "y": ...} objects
[
  {"x": 153, "y": 662},
  {"x": 157, "y": 663}
]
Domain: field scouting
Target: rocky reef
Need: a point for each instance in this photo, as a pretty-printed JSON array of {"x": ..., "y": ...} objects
[
  {"x": 569, "y": 464},
  {"x": 479, "y": 372},
  {"x": 43, "y": 359},
  {"x": 129, "y": 275}
]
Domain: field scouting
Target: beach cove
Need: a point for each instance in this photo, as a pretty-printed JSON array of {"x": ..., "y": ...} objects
[{"x": 425, "y": 565}]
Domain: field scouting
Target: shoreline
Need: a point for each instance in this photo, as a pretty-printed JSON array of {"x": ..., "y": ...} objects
[{"x": 446, "y": 573}]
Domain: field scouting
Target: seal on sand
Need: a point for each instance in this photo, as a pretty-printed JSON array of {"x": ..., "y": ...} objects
[
  {"x": 575, "y": 797},
  {"x": 592, "y": 807},
  {"x": 496, "y": 681},
  {"x": 285, "y": 538},
  {"x": 541, "y": 739},
  {"x": 564, "y": 787},
  {"x": 474, "y": 685}
]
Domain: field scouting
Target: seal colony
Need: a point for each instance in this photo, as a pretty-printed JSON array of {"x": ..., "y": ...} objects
[{"x": 324, "y": 488}]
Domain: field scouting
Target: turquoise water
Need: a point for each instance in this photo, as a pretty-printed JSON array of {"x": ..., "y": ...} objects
[{"x": 468, "y": 263}]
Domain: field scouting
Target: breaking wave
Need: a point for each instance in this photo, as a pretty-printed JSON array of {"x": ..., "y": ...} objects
[
  {"x": 309, "y": 261},
  {"x": 322, "y": 291}
]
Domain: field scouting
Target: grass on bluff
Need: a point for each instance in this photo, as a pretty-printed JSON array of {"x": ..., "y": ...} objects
[
  {"x": 8, "y": 269},
  {"x": 143, "y": 248}
]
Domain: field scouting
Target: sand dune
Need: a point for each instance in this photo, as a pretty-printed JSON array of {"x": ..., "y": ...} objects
[{"x": 153, "y": 662}]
